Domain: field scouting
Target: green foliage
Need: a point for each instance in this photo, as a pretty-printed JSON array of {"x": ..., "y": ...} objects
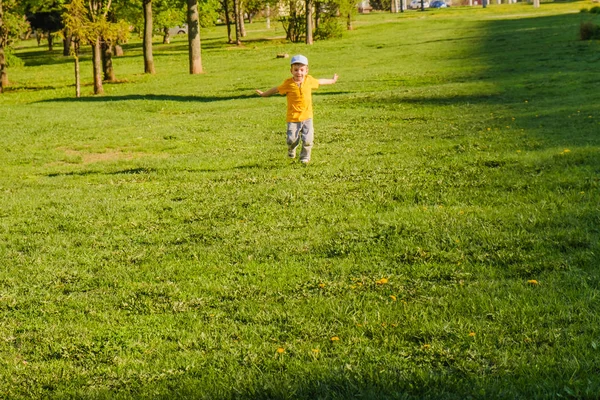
[
  {"x": 13, "y": 24},
  {"x": 294, "y": 23},
  {"x": 132, "y": 11},
  {"x": 166, "y": 15},
  {"x": 11, "y": 59},
  {"x": 208, "y": 12},
  {"x": 46, "y": 21},
  {"x": 346, "y": 7},
  {"x": 254, "y": 7},
  {"x": 86, "y": 26},
  {"x": 329, "y": 28},
  {"x": 156, "y": 243},
  {"x": 381, "y": 5},
  {"x": 593, "y": 10},
  {"x": 43, "y": 6}
]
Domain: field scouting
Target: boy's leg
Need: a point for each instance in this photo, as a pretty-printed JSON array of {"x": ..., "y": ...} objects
[
  {"x": 293, "y": 137},
  {"x": 308, "y": 135}
]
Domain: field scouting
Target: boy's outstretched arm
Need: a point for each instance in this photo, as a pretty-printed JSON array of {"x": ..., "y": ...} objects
[
  {"x": 329, "y": 81},
  {"x": 268, "y": 93}
]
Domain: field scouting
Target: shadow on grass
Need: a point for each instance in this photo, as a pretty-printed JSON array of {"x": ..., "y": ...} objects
[
  {"x": 151, "y": 170},
  {"x": 30, "y": 88},
  {"x": 343, "y": 382},
  {"x": 537, "y": 64},
  {"x": 429, "y": 100},
  {"x": 127, "y": 171},
  {"x": 44, "y": 57},
  {"x": 165, "y": 97},
  {"x": 150, "y": 97}
]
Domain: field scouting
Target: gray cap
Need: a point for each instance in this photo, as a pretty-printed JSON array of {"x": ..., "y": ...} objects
[{"x": 299, "y": 59}]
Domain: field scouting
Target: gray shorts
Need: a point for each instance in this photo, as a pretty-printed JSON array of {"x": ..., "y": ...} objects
[{"x": 304, "y": 131}]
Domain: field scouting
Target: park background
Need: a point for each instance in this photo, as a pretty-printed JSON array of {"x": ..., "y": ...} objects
[{"x": 155, "y": 242}]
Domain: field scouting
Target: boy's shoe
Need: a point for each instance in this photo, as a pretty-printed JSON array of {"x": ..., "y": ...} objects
[
  {"x": 305, "y": 162},
  {"x": 292, "y": 153}
]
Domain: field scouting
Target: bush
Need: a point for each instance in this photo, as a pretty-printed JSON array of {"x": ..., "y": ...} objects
[
  {"x": 295, "y": 27},
  {"x": 595, "y": 10},
  {"x": 589, "y": 30},
  {"x": 329, "y": 28},
  {"x": 380, "y": 5},
  {"x": 11, "y": 59}
]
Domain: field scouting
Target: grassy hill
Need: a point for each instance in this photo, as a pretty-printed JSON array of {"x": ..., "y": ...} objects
[{"x": 155, "y": 242}]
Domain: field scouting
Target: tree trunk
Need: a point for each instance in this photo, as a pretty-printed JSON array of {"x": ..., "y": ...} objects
[
  {"x": 349, "y": 21},
  {"x": 67, "y": 42},
  {"x": 236, "y": 14},
  {"x": 3, "y": 74},
  {"x": 166, "y": 35},
  {"x": 241, "y": 18},
  {"x": 107, "y": 64},
  {"x": 97, "y": 66},
  {"x": 50, "y": 41},
  {"x": 268, "y": 16},
  {"x": 77, "y": 74},
  {"x": 309, "y": 22},
  {"x": 148, "y": 58},
  {"x": 195, "y": 54},
  {"x": 227, "y": 21}
]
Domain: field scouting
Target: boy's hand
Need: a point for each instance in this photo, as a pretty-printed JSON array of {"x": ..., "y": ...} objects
[
  {"x": 329, "y": 81},
  {"x": 268, "y": 93}
]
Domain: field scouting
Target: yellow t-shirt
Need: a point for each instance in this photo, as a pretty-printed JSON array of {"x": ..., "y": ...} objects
[{"x": 299, "y": 98}]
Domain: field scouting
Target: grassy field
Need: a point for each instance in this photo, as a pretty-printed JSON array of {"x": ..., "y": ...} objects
[{"x": 155, "y": 242}]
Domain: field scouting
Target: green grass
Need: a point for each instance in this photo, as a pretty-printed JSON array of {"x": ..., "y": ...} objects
[{"x": 155, "y": 242}]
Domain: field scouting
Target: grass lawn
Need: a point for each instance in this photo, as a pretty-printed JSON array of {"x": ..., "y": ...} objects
[{"x": 155, "y": 242}]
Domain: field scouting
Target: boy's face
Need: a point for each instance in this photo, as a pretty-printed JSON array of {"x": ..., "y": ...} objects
[{"x": 299, "y": 71}]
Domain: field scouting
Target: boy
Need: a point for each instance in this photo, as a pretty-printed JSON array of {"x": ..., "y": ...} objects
[{"x": 298, "y": 90}]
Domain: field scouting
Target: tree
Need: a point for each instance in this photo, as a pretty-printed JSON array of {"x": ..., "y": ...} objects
[
  {"x": 253, "y": 7},
  {"x": 3, "y": 40},
  {"x": 89, "y": 23},
  {"x": 98, "y": 10},
  {"x": 48, "y": 22},
  {"x": 309, "y": 22},
  {"x": 295, "y": 23},
  {"x": 148, "y": 34},
  {"x": 74, "y": 19},
  {"x": 195, "y": 55},
  {"x": 347, "y": 8},
  {"x": 131, "y": 11},
  {"x": 238, "y": 13},
  {"x": 225, "y": 8},
  {"x": 45, "y": 16},
  {"x": 12, "y": 24},
  {"x": 167, "y": 14},
  {"x": 327, "y": 24}
]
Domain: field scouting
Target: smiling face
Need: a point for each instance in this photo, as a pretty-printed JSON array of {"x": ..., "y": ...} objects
[{"x": 299, "y": 71}]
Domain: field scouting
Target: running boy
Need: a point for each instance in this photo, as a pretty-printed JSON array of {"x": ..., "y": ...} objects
[{"x": 298, "y": 90}]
